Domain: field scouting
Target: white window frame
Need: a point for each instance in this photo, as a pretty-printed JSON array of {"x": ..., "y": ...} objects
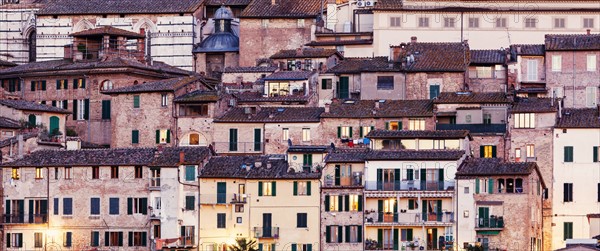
[
  {"x": 532, "y": 70},
  {"x": 285, "y": 134},
  {"x": 80, "y": 109},
  {"x": 517, "y": 154},
  {"x": 524, "y": 120},
  {"x": 305, "y": 134},
  {"x": 164, "y": 100},
  {"x": 556, "y": 63},
  {"x": 396, "y": 21},
  {"x": 530, "y": 150},
  {"x": 300, "y": 23},
  {"x": 591, "y": 96},
  {"x": 264, "y": 23},
  {"x": 416, "y": 124},
  {"x": 345, "y": 131},
  {"x": 591, "y": 62},
  {"x": 530, "y": 22}
]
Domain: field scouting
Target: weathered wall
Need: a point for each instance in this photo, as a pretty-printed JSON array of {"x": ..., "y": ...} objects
[
  {"x": 368, "y": 90},
  {"x": 418, "y": 83},
  {"x": 574, "y": 77}
]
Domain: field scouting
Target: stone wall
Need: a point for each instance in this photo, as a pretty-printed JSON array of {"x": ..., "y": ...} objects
[
  {"x": 418, "y": 83},
  {"x": 574, "y": 77}
]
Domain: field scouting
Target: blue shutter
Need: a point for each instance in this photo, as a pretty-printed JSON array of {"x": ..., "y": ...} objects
[
  {"x": 190, "y": 173},
  {"x": 55, "y": 206},
  {"x": 67, "y": 206}
]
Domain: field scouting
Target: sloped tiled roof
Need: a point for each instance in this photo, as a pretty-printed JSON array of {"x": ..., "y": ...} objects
[
  {"x": 572, "y": 42},
  {"x": 290, "y": 75},
  {"x": 9, "y": 123},
  {"x": 348, "y": 155},
  {"x": 358, "y": 65},
  {"x": 249, "y": 69},
  {"x": 31, "y": 106},
  {"x": 156, "y": 86},
  {"x": 387, "y": 109},
  {"x": 226, "y": 2},
  {"x": 269, "y": 167},
  {"x": 7, "y": 64},
  {"x": 437, "y": 57},
  {"x": 415, "y": 155},
  {"x": 488, "y": 56},
  {"x": 306, "y": 53},
  {"x": 471, "y": 98},
  {"x": 170, "y": 156},
  {"x": 258, "y": 97},
  {"x": 410, "y": 134},
  {"x": 273, "y": 115},
  {"x": 198, "y": 96},
  {"x": 579, "y": 118},
  {"x": 494, "y": 167},
  {"x": 307, "y": 149},
  {"x": 282, "y": 9},
  {"x": 340, "y": 42},
  {"x": 534, "y": 105},
  {"x": 12, "y": 140},
  {"x": 388, "y": 5},
  {"x": 528, "y": 49},
  {"x": 107, "y": 30},
  {"x": 75, "y": 7}
]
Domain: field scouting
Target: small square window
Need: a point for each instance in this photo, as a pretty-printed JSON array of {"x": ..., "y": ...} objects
[
  {"x": 530, "y": 22},
  {"x": 114, "y": 172},
  {"x": 423, "y": 22},
  {"x": 395, "y": 21},
  {"x": 474, "y": 22},
  {"x": 239, "y": 220},
  {"x": 588, "y": 23},
  {"x": 449, "y": 22},
  {"x": 500, "y": 22}
]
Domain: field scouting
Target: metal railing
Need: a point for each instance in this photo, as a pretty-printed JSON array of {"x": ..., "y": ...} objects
[
  {"x": 408, "y": 218},
  {"x": 239, "y": 147},
  {"x": 345, "y": 181},
  {"x": 25, "y": 218},
  {"x": 223, "y": 198},
  {"x": 491, "y": 222},
  {"x": 266, "y": 232},
  {"x": 411, "y": 185},
  {"x": 474, "y": 128}
]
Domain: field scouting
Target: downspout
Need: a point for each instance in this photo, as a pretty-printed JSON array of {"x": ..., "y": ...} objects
[
  {"x": 354, "y": 20},
  {"x": 574, "y": 77}
]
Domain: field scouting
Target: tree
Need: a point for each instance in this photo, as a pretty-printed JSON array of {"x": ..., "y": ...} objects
[{"x": 243, "y": 244}]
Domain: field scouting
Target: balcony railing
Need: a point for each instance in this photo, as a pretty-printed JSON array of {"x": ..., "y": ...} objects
[
  {"x": 25, "y": 218},
  {"x": 186, "y": 241},
  {"x": 491, "y": 222},
  {"x": 223, "y": 198},
  {"x": 411, "y": 185},
  {"x": 266, "y": 232},
  {"x": 154, "y": 184},
  {"x": 408, "y": 218},
  {"x": 239, "y": 147},
  {"x": 474, "y": 128},
  {"x": 355, "y": 180}
]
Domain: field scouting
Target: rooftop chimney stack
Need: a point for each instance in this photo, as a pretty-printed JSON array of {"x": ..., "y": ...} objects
[
  {"x": 413, "y": 40},
  {"x": 376, "y": 104},
  {"x": 298, "y": 50},
  {"x": 327, "y": 105},
  {"x": 588, "y": 31},
  {"x": 181, "y": 157},
  {"x": 273, "y": 2}
]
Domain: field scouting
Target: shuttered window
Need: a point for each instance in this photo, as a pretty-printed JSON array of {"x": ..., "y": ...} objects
[
  {"x": 568, "y": 154},
  {"x": 105, "y": 109}
]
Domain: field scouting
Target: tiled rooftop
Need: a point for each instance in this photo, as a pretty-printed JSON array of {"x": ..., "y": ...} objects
[
  {"x": 387, "y": 109},
  {"x": 13, "y": 140},
  {"x": 170, "y": 156},
  {"x": 31, "y": 106},
  {"x": 348, "y": 155},
  {"x": 282, "y": 9},
  {"x": 579, "y": 118},
  {"x": 306, "y": 53},
  {"x": 409, "y": 134},
  {"x": 157, "y": 86},
  {"x": 108, "y": 30},
  {"x": 534, "y": 105},
  {"x": 269, "y": 167},
  {"x": 6, "y": 63},
  {"x": 249, "y": 69},
  {"x": 471, "y": 98},
  {"x": 307, "y": 149},
  {"x": 198, "y": 96},
  {"x": 9, "y": 123},
  {"x": 341, "y": 42},
  {"x": 388, "y": 5},
  {"x": 75, "y": 7},
  {"x": 273, "y": 115},
  {"x": 572, "y": 42},
  {"x": 290, "y": 75},
  {"x": 436, "y": 57},
  {"x": 258, "y": 97},
  {"x": 528, "y": 49},
  {"x": 226, "y": 2},
  {"x": 494, "y": 166},
  {"x": 358, "y": 65},
  {"x": 415, "y": 155},
  {"x": 488, "y": 56}
]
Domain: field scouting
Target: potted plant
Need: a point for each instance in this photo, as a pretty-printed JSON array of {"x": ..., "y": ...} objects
[{"x": 412, "y": 246}]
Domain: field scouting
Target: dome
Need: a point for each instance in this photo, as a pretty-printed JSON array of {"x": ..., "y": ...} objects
[
  {"x": 219, "y": 42},
  {"x": 223, "y": 13}
]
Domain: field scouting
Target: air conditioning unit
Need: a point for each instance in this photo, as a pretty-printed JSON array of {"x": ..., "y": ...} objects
[
  {"x": 360, "y": 4},
  {"x": 368, "y": 3}
]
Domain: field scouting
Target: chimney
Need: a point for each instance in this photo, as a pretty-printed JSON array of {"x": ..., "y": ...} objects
[
  {"x": 466, "y": 42},
  {"x": 248, "y": 167},
  {"x": 273, "y": 2},
  {"x": 181, "y": 157},
  {"x": 68, "y": 49},
  {"x": 327, "y": 107},
  {"x": 413, "y": 39},
  {"x": 588, "y": 31},
  {"x": 299, "y": 52},
  {"x": 20, "y": 146},
  {"x": 269, "y": 164},
  {"x": 377, "y": 104}
]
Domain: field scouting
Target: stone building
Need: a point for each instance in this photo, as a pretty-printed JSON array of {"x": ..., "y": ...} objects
[
  {"x": 249, "y": 78},
  {"x": 348, "y": 122},
  {"x": 129, "y": 199},
  {"x": 18, "y": 25},
  {"x": 487, "y": 71},
  {"x": 32, "y": 114},
  {"x": 499, "y": 205},
  {"x": 287, "y": 88},
  {"x": 531, "y": 123},
  {"x": 306, "y": 59},
  {"x": 572, "y": 69},
  {"x": 176, "y": 111},
  {"x": 259, "y": 197},
  {"x": 76, "y": 83},
  {"x": 171, "y": 30},
  {"x": 342, "y": 199},
  {"x": 527, "y": 71},
  {"x": 485, "y": 115},
  {"x": 268, "y": 26},
  {"x": 267, "y": 130},
  {"x": 575, "y": 175}
]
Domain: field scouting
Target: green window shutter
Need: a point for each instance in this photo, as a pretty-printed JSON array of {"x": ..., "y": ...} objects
[
  {"x": 360, "y": 131},
  {"x": 74, "y": 109},
  {"x": 439, "y": 210},
  {"x": 273, "y": 247},
  {"x": 340, "y": 240},
  {"x": 129, "y": 206},
  {"x": 326, "y": 203},
  {"x": 308, "y": 188},
  {"x": 348, "y": 234},
  {"x": 491, "y": 186},
  {"x": 323, "y": 84},
  {"x": 32, "y": 86},
  {"x": 360, "y": 202},
  {"x": 396, "y": 239},
  {"x": 157, "y": 136},
  {"x": 257, "y": 139},
  {"x": 409, "y": 234},
  {"x": 411, "y": 204},
  {"x": 130, "y": 239},
  {"x": 168, "y": 136},
  {"x": 308, "y": 247},
  {"x": 481, "y": 151},
  {"x": 379, "y": 207},
  {"x": 66, "y": 84},
  {"x": 233, "y": 141},
  {"x": 359, "y": 233},
  {"x": 43, "y": 85},
  {"x": 350, "y": 131},
  {"x": 410, "y": 174},
  {"x": 274, "y": 187},
  {"x": 136, "y": 101},
  {"x": 493, "y": 151},
  {"x": 294, "y": 247},
  {"x": 58, "y": 84},
  {"x": 86, "y": 109},
  {"x": 8, "y": 240},
  {"x": 260, "y": 247},
  {"x": 327, "y": 234},
  {"x": 399, "y": 125},
  {"x": 476, "y": 186},
  {"x": 190, "y": 173},
  {"x": 144, "y": 239},
  {"x": 65, "y": 104},
  {"x": 295, "y": 188},
  {"x": 387, "y": 125},
  {"x": 260, "y": 188},
  {"x": 568, "y": 154},
  {"x": 379, "y": 235},
  {"x": 337, "y": 175},
  {"x": 595, "y": 153},
  {"x": 120, "y": 239},
  {"x": 346, "y": 203},
  {"x": 339, "y": 132},
  {"x": 135, "y": 137},
  {"x": 424, "y": 210}
]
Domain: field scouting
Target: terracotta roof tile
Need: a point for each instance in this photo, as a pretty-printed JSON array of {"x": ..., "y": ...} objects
[
  {"x": 7, "y": 63},
  {"x": 579, "y": 118},
  {"x": 249, "y": 69},
  {"x": 290, "y": 75},
  {"x": 282, "y": 9},
  {"x": 471, "y": 97},
  {"x": 258, "y": 97},
  {"x": 12, "y": 140},
  {"x": 387, "y": 109},
  {"x": 488, "y": 56},
  {"x": 170, "y": 84},
  {"x": 388, "y": 5},
  {"x": 415, "y": 155},
  {"x": 226, "y": 2},
  {"x": 306, "y": 53},
  {"x": 358, "y": 65},
  {"x": 74, "y": 7},
  {"x": 528, "y": 49},
  {"x": 341, "y": 42},
  {"x": 107, "y": 30},
  {"x": 198, "y": 96},
  {"x": 9, "y": 123},
  {"x": 348, "y": 155},
  {"x": 436, "y": 57},
  {"x": 170, "y": 156},
  {"x": 494, "y": 166},
  {"x": 31, "y": 106},
  {"x": 408, "y": 134},
  {"x": 308, "y": 149},
  {"x": 572, "y": 42},
  {"x": 269, "y": 167},
  {"x": 273, "y": 115},
  {"x": 534, "y": 105}
]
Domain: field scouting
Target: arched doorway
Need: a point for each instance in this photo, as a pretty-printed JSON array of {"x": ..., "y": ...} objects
[
  {"x": 54, "y": 125},
  {"x": 194, "y": 139},
  {"x": 32, "y": 120}
]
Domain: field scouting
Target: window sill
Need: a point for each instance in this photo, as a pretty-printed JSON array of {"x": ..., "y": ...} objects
[
  {"x": 67, "y": 216},
  {"x": 94, "y": 217}
]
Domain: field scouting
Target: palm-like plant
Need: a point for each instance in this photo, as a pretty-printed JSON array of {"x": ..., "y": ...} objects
[{"x": 243, "y": 244}]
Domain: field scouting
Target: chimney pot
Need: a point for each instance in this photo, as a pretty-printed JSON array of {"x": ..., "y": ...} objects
[
  {"x": 376, "y": 104},
  {"x": 413, "y": 39},
  {"x": 327, "y": 107},
  {"x": 181, "y": 157},
  {"x": 588, "y": 31},
  {"x": 273, "y": 2},
  {"x": 299, "y": 52}
]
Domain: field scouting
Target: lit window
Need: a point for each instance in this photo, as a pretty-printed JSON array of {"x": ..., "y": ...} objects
[
  {"x": 15, "y": 173},
  {"x": 591, "y": 62},
  {"x": 285, "y": 133},
  {"x": 305, "y": 134},
  {"x": 530, "y": 151},
  {"x": 267, "y": 188},
  {"x": 354, "y": 202},
  {"x": 365, "y": 130},
  {"x": 163, "y": 135},
  {"x": 556, "y": 62},
  {"x": 517, "y": 154},
  {"x": 345, "y": 131},
  {"x": 489, "y": 152},
  {"x": 524, "y": 120},
  {"x": 416, "y": 124},
  {"x": 39, "y": 173},
  {"x": 394, "y": 125},
  {"x": 334, "y": 203}
]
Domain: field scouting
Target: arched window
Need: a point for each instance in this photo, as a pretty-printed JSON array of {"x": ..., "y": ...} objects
[
  {"x": 54, "y": 125},
  {"x": 193, "y": 139},
  {"x": 31, "y": 40},
  {"x": 106, "y": 85}
]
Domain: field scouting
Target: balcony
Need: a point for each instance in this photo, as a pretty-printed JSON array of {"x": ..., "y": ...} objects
[
  {"x": 239, "y": 147},
  {"x": 408, "y": 219},
  {"x": 266, "y": 232},
  {"x": 154, "y": 184},
  {"x": 411, "y": 185},
  {"x": 239, "y": 198},
  {"x": 223, "y": 199},
  {"x": 474, "y": 128},
  {"x": 25, "y": 218},
  {"x": 492, "y": 223},
  {"x": 354, "y": 181}
]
